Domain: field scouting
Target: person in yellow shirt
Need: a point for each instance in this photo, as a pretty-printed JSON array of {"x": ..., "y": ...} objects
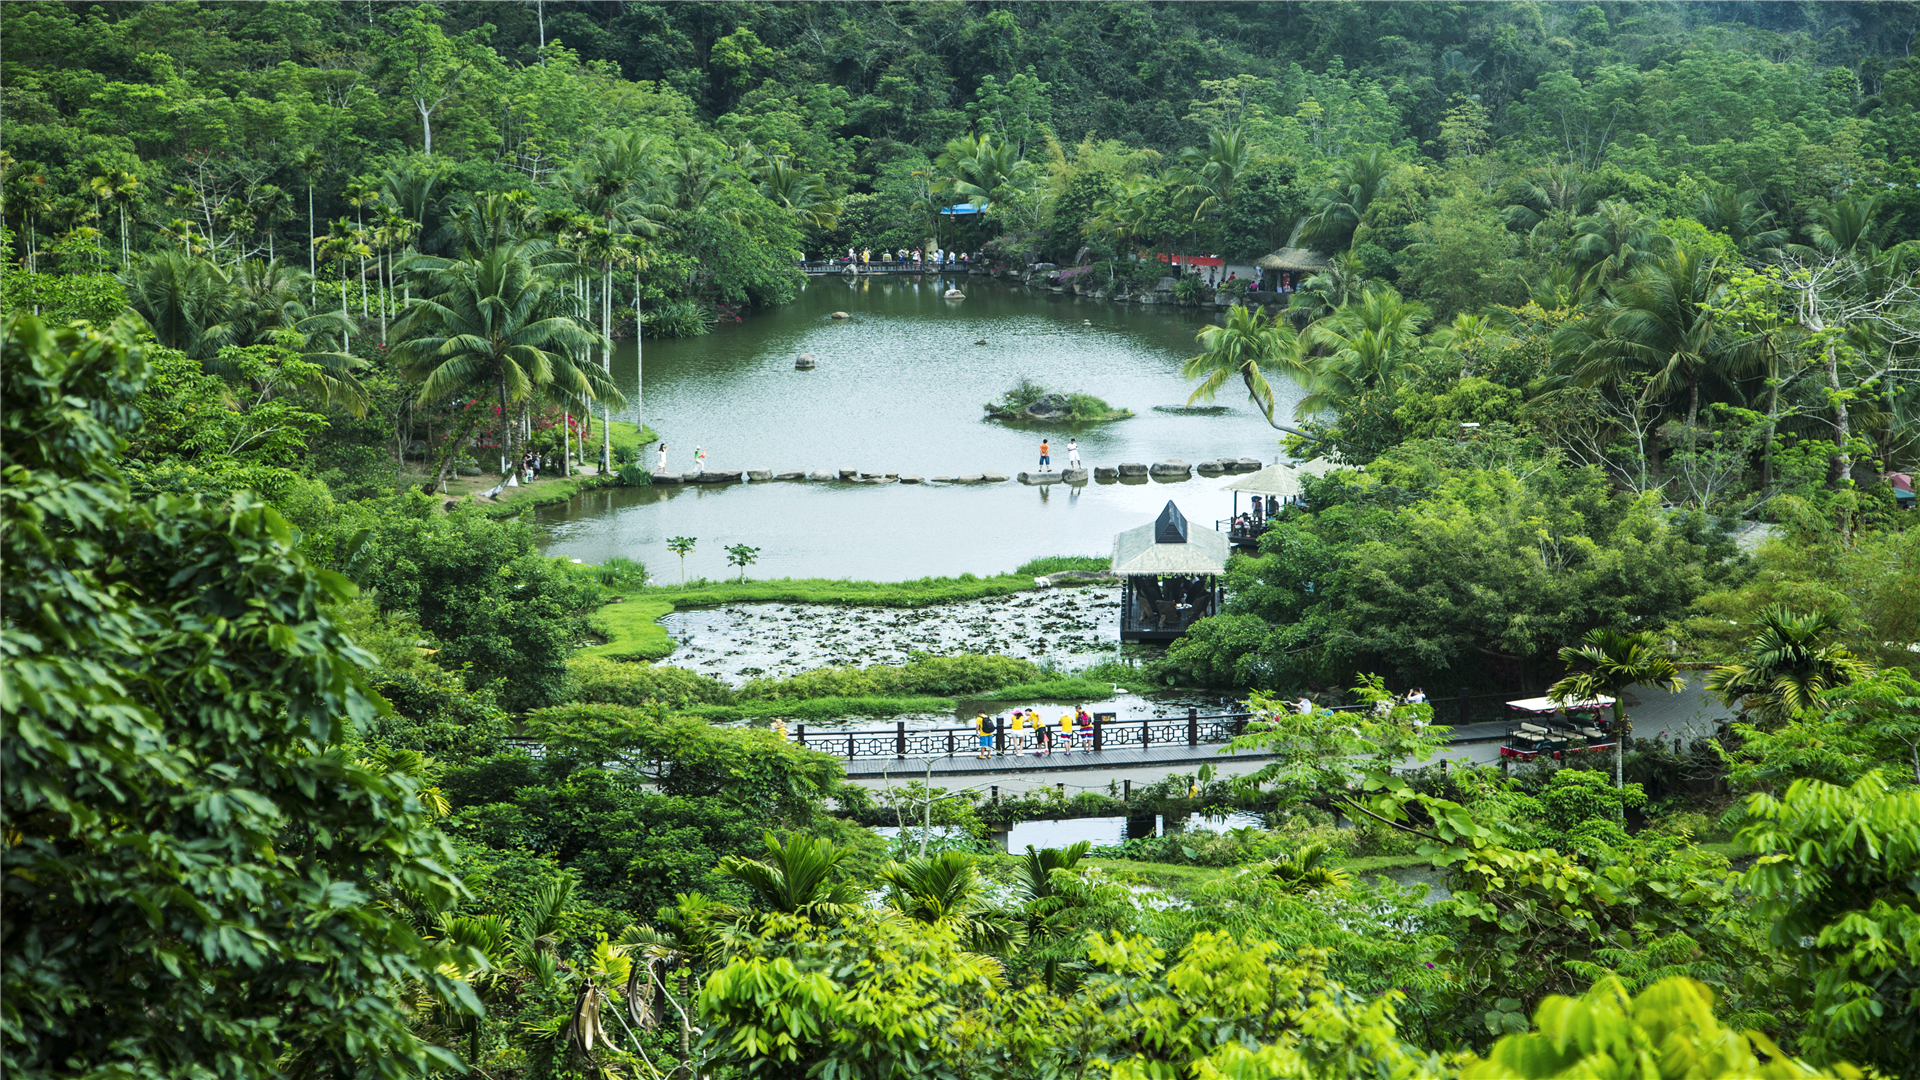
[
  {"x": 983, "y": 733},
  {"x": 866, "y": 257},
  {"x": 1019, "y": 736},
  {"x": 1066, "y": 731}
]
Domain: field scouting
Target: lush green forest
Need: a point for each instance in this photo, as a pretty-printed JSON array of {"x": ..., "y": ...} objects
[{"x": 315, "y": 766}]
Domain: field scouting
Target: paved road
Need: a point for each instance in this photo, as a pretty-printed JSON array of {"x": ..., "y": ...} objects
[{"x": 1689, "y": 714}]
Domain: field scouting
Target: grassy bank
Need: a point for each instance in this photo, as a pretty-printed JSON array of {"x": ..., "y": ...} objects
[
  {"x": 632, "y": 633},
  {"x": 632, "y": 630},
  {"x": 823, "y": 708},
  {"x": 552, "y": 489}
]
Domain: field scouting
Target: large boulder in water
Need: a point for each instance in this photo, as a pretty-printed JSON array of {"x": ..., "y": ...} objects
[{"x": 1050, "y": 406}]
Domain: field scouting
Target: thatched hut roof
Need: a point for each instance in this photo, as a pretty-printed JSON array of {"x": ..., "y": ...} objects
[
  {"x": 1298, "y": 260},
  {"x": 1282, "y": 480},
  {"x": 1169, "y": 545}
]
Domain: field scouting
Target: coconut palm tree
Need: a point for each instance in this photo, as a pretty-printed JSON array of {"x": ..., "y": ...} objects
[
  {"x": 1369, "y": 344},
  {"x": 1786, "y": 665},
  {"x": 1308, "y": 869},
  {"x": 1246, "y": 347},
  {"x": 1209, "y": 176},
  {"x": 805, "y": 194},
  {"x": 1604, "y": 664},
  {"x": 799, "y": 877},
  {"x": 1657, "y": 322},
  {"x": 186, "y": 300},
  {"x": 265, "y": 299},
  {"x": 492, "y": 324},
  {"x": 1328, "y": 291},
  {"x": 974, "y": 166},
  {"x": 1556, "y": 192},
  {"x": 1340, "y": 207},
  {"x": 1615, "y": 239},
  {"x": 1742, "y": 216}
]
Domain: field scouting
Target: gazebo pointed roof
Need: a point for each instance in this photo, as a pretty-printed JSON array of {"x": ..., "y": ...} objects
[
  {"x": 1169, "y": 545},
  {"x": 1171, "y": 527}
]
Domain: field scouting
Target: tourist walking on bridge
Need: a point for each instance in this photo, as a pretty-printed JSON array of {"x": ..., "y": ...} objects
[{"x": 1018, "y": 738}]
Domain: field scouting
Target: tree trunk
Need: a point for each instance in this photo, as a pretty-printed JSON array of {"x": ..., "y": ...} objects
[
  {"x": 639, "y": 366},
  {"x": 506, "y": 433},
  {"x": 426, "y": 128},
  {"x": 453, "y": 449},
  {"x": 313, "y": 269},
  {"x": 1840, "y": 465},
  {"x": 1267, "y": 411}
]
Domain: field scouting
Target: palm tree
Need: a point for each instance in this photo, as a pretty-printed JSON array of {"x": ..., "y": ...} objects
[
  {"x": 975, "y": 166},
  {"x": 1740, "y": 215},
  {"x": 1604, "y": 665},
  {"x": 805, "y": 194},
  {"x": 1328, "y": 291},
  {"x": 1339, "y": 208},
  {"x": 311, "y": 162},
  {"x": 118, "y": 189},
  {"x": 799, "y": 877},
  {"x": 1845, "y": 227},
  {"x": 1657, "y": 322},
  {"x": 1554, "y": 193},
  {"x": 1370, "y": 344},
  {"x": 1033, "y": 881},
  {"x": 946, "y": 888},
  {"x": 491, "y": 322},
  {"x": 1309, "y": 869},
  {"x": 1246, "y": 348},
  {"x": 1786, "y": 665},
  {"x": 341, "y": 243},
  {"x": 1122, "y": 215},
  {"x": 1615, "y": 239},
  {"x": 1209, "y": 176},
  {"x": 264, "y": 299},
  {"x": 186, "y": 301}
]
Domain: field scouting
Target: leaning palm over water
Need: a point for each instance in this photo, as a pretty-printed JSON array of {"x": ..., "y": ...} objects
[
  {"x": 1248, "y": 347},
  {"x": 1371, "y": 344},
  {"x": 493, "y": 324}
]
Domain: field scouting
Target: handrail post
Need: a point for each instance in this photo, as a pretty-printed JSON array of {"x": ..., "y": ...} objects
[
  {"x": 1097, "y": 732},
  {"x": 1000, "y": 733},
  {"x": 900, "y": 739},
  {"x": 802, "y": 732},
  {"x": 849, "y": 746},
  {"x": 1146, "y": 734},
  {"x": 949, "y": 744},
  {"x": 1193, "y": 726}
]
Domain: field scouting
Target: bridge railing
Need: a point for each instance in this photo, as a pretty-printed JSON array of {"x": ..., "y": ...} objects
[{"x": 1109, "y": 732}]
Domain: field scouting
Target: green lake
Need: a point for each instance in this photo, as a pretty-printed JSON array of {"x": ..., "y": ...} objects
[{"x": 899, "y": 388}]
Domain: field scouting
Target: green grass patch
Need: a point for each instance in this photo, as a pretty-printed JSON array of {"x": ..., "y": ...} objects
[
  {"x": 1054, "y": 564},
  {"x": 632, "y": 630},
  {"x": 822, "y": 708}
]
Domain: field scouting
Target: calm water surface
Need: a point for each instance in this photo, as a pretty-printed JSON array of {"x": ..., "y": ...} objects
[{"x": 899, "y": 388}]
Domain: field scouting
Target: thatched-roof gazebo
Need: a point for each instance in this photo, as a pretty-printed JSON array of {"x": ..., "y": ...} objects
[
  {"x": 1269, "y": 487},
  {"x": 1297, "y": 263},
  {"x": 1173, "y": 576}
]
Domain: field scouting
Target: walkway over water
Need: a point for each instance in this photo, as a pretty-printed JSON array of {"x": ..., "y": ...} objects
[{"x": 1478, "y": 723}]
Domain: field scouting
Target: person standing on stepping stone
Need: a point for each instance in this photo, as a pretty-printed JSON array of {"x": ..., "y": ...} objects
[
  {"x": 1073, "y": 453},
  {"x": 663, "y": 457},
  {"x": 1045, "y": 461}
]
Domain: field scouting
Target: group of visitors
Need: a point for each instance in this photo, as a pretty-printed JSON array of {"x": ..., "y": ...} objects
[
  {"x": 1255, "y": 520},
  {"x": 531, "y": 464},
  {"x": 1074, "y": 727},
  {"x": 1046, "y": 454},
  {"x": 1416, "y": 696},
  {"x": 699, "y": 458},
  {"x": 905, "y": 258}
]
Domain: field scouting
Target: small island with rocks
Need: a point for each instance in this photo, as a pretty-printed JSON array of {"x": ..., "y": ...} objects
[{"x": 1029, "y": 402}]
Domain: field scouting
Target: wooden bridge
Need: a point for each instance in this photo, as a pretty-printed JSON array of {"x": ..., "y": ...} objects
[{"x": 837, "y": 266}]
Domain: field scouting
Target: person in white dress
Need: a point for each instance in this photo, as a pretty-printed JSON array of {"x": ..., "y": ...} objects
[
  {"x": 1073, "y": 453},
  {"x": 662, "y": 467}
]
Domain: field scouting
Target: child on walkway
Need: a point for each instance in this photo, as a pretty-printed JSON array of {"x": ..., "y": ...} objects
[
  {"x": 981, "y": 733},
  {"x": 700, "y": 458},
  {"x": 1045, "y": 461},
  {"x": 1073, "y": 453},
  {"x": 1066, "y": 732},
  {"x": 1019, "y": 736},
  {"x": 1043, "y": 735}
]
